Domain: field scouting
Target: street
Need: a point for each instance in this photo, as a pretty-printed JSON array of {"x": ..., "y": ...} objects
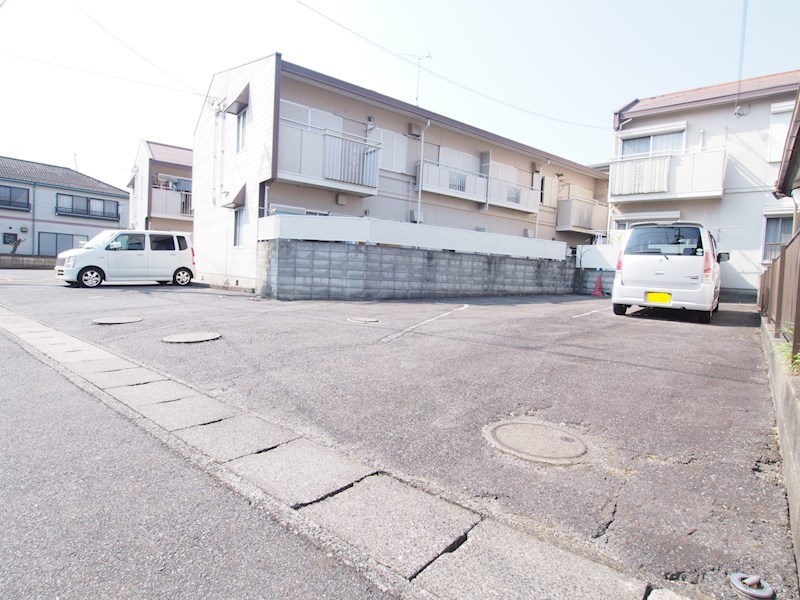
[{"x": 680, "y": 484}]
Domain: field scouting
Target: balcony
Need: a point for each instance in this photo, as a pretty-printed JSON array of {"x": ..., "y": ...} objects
[
  {"x": 171, "y": 204},
  {"x": 71, "y": 211},
  {"x": 15, "y": 204},
  {"x": 328, "y": 159},
  {"x": 581, "y": 215},
  {"x": 477, "y": 187},
  {"x": 692, "y": 175}
]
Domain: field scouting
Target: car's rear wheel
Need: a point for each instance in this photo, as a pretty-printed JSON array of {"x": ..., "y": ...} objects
[
  {"x": 90, "y": 277},
  {"x": 182, "y": 277},
  {"x": 619, "y": 309}
]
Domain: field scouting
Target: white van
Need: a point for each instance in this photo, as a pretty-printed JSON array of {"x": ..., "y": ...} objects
[
  {"x": 669, "y": 265},
  {"x": 120, "y": 255}
]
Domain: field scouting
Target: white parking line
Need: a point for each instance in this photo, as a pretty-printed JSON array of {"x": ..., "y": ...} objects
[
  {"x": 394, "y": 336},
  {"x": 591, "y": 312}
]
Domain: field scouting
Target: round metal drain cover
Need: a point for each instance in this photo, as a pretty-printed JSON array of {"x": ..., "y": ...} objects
[
  {"x": 116, "y": 320},
  {"x": 362, "y": 320},
  {"x": 193, "y": 337},
  {"x": 535, "y": 441}
]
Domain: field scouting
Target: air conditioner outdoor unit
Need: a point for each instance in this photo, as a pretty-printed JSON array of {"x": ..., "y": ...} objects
[
  {"x": 415, "y": 217},
  {"x": 481, "y": 228},
  {"x": 414, "y": 129},
  {"x": 341, "y": 199},
  {"x": 529, "y": 233}
]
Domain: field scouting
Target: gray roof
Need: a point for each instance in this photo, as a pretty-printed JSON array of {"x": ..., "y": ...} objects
[
  {"x": 170, "y": 154},
  {"x": 25, "y": 171}
]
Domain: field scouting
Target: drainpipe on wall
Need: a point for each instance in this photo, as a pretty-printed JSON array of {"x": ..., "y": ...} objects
[
  {"x": 795, "y": 195},
  {"x": 421, "y": 170},
  {"x": 34, "y": 249},
  {"x": 541, "y": 200}
]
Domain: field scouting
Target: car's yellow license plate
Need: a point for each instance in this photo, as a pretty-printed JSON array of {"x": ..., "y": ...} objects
[{"x": 659, "y": 297}]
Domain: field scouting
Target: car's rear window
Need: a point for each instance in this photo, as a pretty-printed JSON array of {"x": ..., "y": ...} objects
[{"x": 668, "y": 239}]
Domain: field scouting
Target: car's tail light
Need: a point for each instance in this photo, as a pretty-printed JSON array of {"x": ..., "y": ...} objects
[
  {"x": 708, "y": 273},
  {"x": 193, "y": 256},
  {"x": 619, "y": 262}
]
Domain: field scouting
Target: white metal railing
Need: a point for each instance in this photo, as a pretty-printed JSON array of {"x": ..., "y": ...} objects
[
  {"x": 470, "y": 185},
  {"x": 326, "y": 155},
  {"x": 583, "y": 214},
  {"x": 170, "y": 203},
  {"x": 377, "y": 231},
  {"x": 689, "y": 173}
]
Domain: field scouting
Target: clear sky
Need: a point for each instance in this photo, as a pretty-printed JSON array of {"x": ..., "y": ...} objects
[{"x": 83, "y": 81}]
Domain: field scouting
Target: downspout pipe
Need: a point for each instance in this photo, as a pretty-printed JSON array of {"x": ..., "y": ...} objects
[
  {"x": 421, "y": 171},
  {"x": 34, "y": 249}
]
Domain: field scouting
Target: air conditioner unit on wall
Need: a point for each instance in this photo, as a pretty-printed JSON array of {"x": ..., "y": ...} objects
[
  {"x": 529, "y": 233},
  {"x": 481, "y": 228},
  {"x": 341, "y": 199},
  {"x": 414, "y": 217}
]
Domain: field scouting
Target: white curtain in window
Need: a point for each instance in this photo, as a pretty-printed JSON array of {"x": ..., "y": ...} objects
[
  {"x": 636, "y": 146},
  {"x": 667, "y": 143}
]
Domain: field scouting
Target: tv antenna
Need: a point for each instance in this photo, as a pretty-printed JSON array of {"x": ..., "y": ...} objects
[{"x": 419, "y": 58}]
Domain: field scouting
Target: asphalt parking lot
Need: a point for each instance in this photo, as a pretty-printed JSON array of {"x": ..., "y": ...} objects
[{"x": 681, "y": 478}]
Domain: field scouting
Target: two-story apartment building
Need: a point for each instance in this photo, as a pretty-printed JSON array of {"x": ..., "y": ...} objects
[
  {"x": 711, "y": 155},
  {"x": 161, "y": 188},
  {"x": 283, "y": 152},
  {"x": 45, "y": 209}
]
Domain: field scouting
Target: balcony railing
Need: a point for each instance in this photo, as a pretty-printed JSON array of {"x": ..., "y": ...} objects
[
  {"x": 15, "y": 204},
  {"x": 170, "y": 203},
  {"x": 85, "y": 212},
  {"x": 688, "y": 175},
  {"x": 451, "y": 181},
  {"x": 581, "y": 214},
  {"x": 328, "y": 159}
]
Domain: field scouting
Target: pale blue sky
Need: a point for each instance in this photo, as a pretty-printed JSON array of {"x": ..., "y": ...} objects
[{"x": 91, "y": 78}]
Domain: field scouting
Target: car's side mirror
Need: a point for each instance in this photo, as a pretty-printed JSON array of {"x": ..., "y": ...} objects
[
  {"x": 81, "y": 244},
  {"x": 723, "y": 256},
  {"x": 114, "y": 246}
]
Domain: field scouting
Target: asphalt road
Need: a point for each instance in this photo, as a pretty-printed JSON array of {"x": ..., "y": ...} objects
[{"x": 682, "y": 479}]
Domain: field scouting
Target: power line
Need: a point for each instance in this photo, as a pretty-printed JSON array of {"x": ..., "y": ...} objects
[
  {"x": 132, "y": 49},
  {"x": 100, "y": 74},
  {"x": 447, "y": 79}
]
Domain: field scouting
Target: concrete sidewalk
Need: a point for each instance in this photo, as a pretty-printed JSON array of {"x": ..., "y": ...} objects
[{"x": 406, "y": 540}]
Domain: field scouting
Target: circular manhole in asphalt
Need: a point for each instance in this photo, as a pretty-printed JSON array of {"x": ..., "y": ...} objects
[
  {"x": 362, "y": 320},
  {"x": 193, "y": 337},
  {"x": 116, "y": 320},
  {"x": 535, "y": 441}
]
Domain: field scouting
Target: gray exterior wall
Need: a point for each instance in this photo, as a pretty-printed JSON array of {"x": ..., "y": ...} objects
[{"x": 304, "y": 270}]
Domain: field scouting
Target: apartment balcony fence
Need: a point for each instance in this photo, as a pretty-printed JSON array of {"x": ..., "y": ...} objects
[
  {"x": 15, "y": 204},
  {"x": 171, "y": 204},
  {"x": 328, "y": 159},
  {"x": 72, "y": 211},
  {"x": 468, "y": 185},
  {"x": 581, "y": 214},
  {"x": 688, "y": 175}
]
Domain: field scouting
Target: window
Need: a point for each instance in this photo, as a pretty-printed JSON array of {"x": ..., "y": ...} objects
[
  {"x": 182, "y": 243},
  {"x": 52, "y": 244},
  {"x": 778, "y": 232},
  {"x": 160, "y": 242},
  {"x": 14, "y": 197},
  {"x": 237, "y": 227},
  {"x": 653, "y": 145},
  {"x": 394, "y": 151},
  {"x": 130, "y": 241},
  {"x": 241, "y": 127},
  {"x": 9, "y": 239},
  {"x": 94, "y": 208},
  {"x": 667, "y": 240},
  {"x": 780, "y": 115}
]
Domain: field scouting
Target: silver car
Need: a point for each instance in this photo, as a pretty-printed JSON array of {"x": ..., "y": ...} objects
[{"x": 669, "y": 265}]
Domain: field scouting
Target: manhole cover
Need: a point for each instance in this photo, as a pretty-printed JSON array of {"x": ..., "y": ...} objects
[
  {"x": 535, "y": 441},
  {"x": 116, "y": 320},
  {"x": 362, "y": 320},
  {"x": 192, "y": 337}
]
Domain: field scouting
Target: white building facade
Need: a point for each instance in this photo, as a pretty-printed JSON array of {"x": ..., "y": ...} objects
[
  {"x": 161, "y": 188},
  {"x": 277, "y": 141},
  {"x": 45, "y": 209},
  {"x": 710, "y": 155}
]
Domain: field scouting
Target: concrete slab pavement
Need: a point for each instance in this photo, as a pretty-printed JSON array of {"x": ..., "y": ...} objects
[{"x": 431, "y": 543}]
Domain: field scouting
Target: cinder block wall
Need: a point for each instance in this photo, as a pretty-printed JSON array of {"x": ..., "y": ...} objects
[
  {"x": 20, "y": 261},
  {"x": 304, "y": 270}
]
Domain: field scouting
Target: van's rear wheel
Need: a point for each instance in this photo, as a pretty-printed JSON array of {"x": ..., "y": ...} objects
[
  {"x": 90, "y": 277},
  {"x": 619, "y": 309},
  {"x": 182, "y": 277}
]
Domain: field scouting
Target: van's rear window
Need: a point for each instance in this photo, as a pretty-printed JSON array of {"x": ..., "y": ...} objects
[{"x": 669, "y": 239}]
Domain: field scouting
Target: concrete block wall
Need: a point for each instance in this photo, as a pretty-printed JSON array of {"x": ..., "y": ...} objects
[
  {"x": 18, "y": 261},
  {"x": 305, "y": 270},
  {"x": 588, "y": 281}
]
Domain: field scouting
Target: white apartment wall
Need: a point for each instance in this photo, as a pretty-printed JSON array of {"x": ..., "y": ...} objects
[
  {"x": 139, "y": 195},
  {"x": 738, "y": 219},
  {"x": 43, "y": 219},
  {"x": 219, "y": 168}
]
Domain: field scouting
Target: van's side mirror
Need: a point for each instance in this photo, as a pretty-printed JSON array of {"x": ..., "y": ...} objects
[
  {"x": 81, "y": 244},
  {"x": 723, "y": 256},
  {"x": 114, "y": 246}
]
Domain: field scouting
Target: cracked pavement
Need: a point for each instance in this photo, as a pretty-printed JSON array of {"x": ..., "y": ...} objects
[{"x": 682, "y": 485}]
